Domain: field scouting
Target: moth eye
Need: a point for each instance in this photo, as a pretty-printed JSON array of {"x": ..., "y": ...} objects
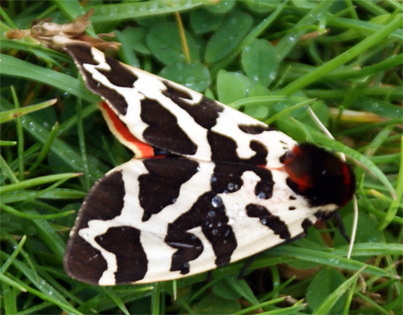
[
  {"x": 286, "y": 157},
  {"x": 289, "y": 155}
]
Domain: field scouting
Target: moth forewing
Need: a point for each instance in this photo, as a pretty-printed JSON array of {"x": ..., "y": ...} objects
[{"x": 174, "y": 118}]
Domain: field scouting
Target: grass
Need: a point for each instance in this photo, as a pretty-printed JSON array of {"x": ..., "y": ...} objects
[{"x": 342, "y": 58}]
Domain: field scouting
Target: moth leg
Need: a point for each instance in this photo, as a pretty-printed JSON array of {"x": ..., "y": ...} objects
[
  {"x": 208, "y": 277},
  {"x": 340, "y": 224},
  {"x": 250, "y": 260}
]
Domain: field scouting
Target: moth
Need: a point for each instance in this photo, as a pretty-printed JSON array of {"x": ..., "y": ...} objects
[{"x": 208, "y": 185}]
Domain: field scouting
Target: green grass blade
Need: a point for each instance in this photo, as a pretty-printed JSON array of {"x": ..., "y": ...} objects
[
  {"x": 391, "y": 213},
  {"x": 331, "y": 300},
  {"x": 327, "y": 259},
  {"x": 20, "y": 214},
  {"x": 37, "y": 181},
  {"x": 118, "y": 12},
  {"x": 345, "y": 57},
  {"x": 11, "y": 66},
  {"x": 14, "y": 113}
]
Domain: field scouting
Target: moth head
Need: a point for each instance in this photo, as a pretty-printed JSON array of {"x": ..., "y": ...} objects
[{"x": 319, "y": 175}]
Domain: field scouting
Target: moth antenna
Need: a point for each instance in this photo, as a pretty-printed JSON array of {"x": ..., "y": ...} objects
[
  {"x": 283, "y": 112},
  {"x": 250, "y": 260},
  {"x": 341, "y": 227},
  {"x": 343, "y": 157},
  {"x": 321, "y": 126},
  {"x": 364, "y": 167},
  {"x": 208, "y": 277},
  {"x": 354, "y": 228},
  {"x": 182, "y": 36}
]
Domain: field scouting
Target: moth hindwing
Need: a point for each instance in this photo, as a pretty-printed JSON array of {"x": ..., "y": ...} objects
[{"x": 207, "y": 186}]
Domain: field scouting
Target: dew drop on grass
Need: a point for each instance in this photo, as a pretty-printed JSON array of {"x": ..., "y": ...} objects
[
  {"x": 113, "y": 10},
  {"x": 190, "y": 81},
  {"x": 153, "y": 7},
  {"x": 334, "y": 261},
  {"x": 179, "y": 65}
]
